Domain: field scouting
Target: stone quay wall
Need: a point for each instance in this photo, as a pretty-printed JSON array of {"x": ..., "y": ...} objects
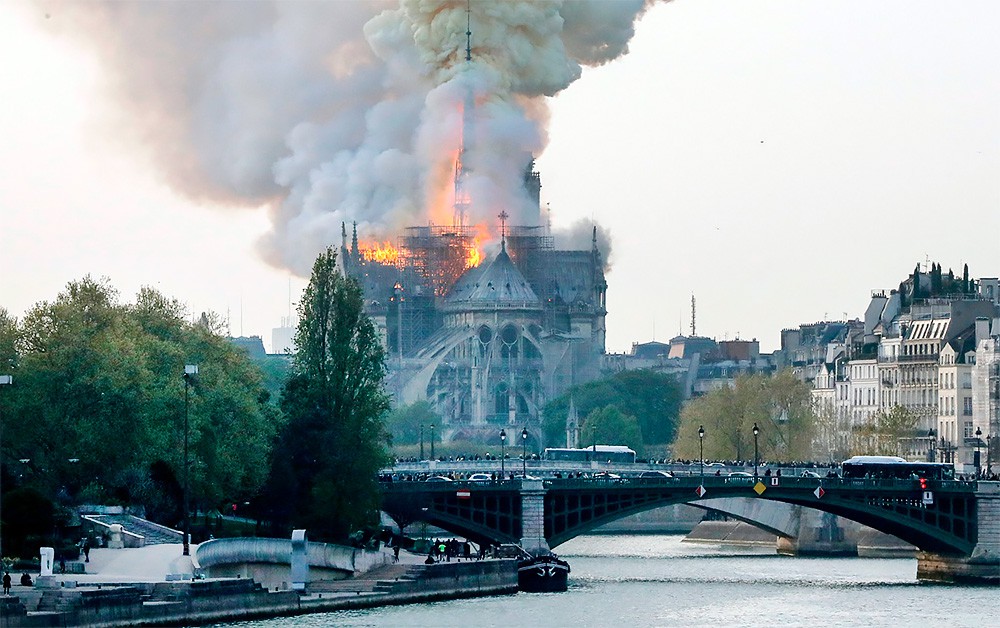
[{"x": 226, "y": 600}]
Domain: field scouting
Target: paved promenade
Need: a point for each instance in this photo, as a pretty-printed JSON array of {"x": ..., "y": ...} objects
[{"x": 147, "y": 564}]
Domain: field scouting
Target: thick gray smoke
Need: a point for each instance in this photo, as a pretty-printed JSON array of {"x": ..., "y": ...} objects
[{"x": 343, "y": 111}]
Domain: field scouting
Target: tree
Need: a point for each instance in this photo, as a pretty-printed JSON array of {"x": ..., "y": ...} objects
[
  {"x": 780, "y": 406},
  {"x": 8, "y": 342},
  {"x": 97, "y": 412},
  {"x": 609, "y": 426},
  {"x": 654, "y": 399},
  {"x": 404, "y": 423},
  {"x": 325, "y": 465},
  {"x": 882, "y": 434}
]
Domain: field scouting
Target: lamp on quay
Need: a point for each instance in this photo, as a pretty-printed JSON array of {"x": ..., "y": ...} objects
[
  {"x": 989, "y": 452},
  {"x": 524, "y": 452},
  {"x": 756, "y": 456},
  {"x": 190, "y": 370},
  {"x": 421, "y": 441},
  {"x": 432, "y": 441},
  {"x": 503, "y": 443},
  {"x": 930, "y": 452},
  {"x": 976, "y": 459},
  {"x": 701, "y": 451},
  {"x": 4, "y": 380}
]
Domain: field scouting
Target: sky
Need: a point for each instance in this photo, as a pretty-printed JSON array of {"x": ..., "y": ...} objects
[{"x": 779, "y": 161}]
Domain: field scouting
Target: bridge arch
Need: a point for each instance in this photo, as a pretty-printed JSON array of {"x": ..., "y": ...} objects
[
  {"x": 573, "y": 507},
  {"x": 895, "y": 507}
]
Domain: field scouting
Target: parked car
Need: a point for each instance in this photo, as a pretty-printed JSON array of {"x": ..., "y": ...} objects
[
  {"x": 606, "y": 475},
  {"x": 810, "y": 474},
  {"x": 480, "y": 477},
  {"x": 438, "y": 478}
]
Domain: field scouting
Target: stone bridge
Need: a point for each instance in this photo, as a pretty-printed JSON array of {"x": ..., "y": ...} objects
[{"x": 957, "y": 530}]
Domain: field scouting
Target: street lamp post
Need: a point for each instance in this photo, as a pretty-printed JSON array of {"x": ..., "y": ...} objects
[
  {"x": 524, "y": 452},
  {"x": 421, "y": 441},
  {"x": 5, "y": 380},
  {"x": 190, "y": 370},
  {"x": 503, "y": 443},
  {"x": 701, "y": 451},
  {"x": 930, "y": 452},
  {"x": 989, "y": 452},
  {"x": 756, "y": 453},
  {"x": 432, "y": 441},
  {"x": 976, "y": 459}
]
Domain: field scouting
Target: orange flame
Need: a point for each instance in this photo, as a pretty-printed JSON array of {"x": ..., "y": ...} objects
[
  {"x": 383, "y": 253},
  {"x": 473, "y": 256}
]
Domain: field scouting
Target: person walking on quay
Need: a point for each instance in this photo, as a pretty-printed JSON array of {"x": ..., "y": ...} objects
[
  {"x": 6, "y": 582},
  {"x": 86, "y": 550},
  {"x": 395, "y": 553}
]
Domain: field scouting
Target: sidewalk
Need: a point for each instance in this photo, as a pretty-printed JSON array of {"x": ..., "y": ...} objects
[{"x": 151, "y": 564}]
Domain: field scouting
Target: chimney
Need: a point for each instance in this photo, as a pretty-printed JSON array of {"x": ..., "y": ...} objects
[{"x": 982, "y": 329}]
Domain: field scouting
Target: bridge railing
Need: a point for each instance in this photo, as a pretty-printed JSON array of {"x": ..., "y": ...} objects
[
  {"x": 709, "y": 481},
  {"x": 547, "y": 468}
]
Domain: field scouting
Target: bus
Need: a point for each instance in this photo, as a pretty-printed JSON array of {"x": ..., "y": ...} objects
[
  {"x": 599, "y": 453},
  {"x": 894, "y": 467}
]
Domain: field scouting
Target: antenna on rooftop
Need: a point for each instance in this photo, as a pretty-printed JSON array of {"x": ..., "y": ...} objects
[{"x": 692, "y": 316}]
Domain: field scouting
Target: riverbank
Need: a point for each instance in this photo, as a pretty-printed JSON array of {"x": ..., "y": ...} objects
[
  {"x": 870, "y": 543},
  {"x": 63, "y": 601}
]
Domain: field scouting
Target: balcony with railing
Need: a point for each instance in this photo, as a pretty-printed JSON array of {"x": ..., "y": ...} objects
[{"x": 927, "y": 357}]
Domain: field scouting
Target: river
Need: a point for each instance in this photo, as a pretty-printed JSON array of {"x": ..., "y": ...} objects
[{"x": 649, "y": 580}]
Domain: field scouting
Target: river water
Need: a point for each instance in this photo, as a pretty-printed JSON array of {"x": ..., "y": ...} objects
[{"x": 652, "y": 580}]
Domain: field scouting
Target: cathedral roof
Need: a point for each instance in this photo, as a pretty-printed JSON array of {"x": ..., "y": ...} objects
[{"x": 496, "y": 285}]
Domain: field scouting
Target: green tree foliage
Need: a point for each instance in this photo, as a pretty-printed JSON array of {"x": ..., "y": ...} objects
[
  {"x": 652, "y": 398},
  {"x": 404, "y": 423},
  {"x": 608, "y": 425},
  {"x": 96, "y": 410},
  {"x": 333, "y": 444},
  {"x": 8, "y": 342},
  {"x": 276, "y": 369},
  {"x": 780, "y": 405}
]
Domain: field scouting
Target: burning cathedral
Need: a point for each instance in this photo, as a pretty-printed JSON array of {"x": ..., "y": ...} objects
[{"x": 486, "y": 339}]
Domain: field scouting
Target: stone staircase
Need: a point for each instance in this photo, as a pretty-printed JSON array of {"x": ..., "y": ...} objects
[
  {"x": 154, "y": 534},
  {"x": 65, "y": 600},
  {"x": 388, "y": 579}
]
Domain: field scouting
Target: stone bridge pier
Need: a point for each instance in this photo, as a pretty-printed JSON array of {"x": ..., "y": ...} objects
[
  {"x": 533, "y": 517},
  {"x": 982, "y": 566},
  {"x": 799, "y": 531}
]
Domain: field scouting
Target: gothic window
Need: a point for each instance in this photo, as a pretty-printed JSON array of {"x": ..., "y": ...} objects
[
  {"x": 509, "y": 336},
  {"x": 502, "y": 400},
  {"x": 485, "y": 336}
]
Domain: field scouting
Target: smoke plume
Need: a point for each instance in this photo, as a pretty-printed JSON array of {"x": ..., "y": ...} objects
[{"x": 343, "y": 111}]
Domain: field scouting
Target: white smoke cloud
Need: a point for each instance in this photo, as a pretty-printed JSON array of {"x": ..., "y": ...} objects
[
  {"x": 343, "y": 111},
  {"x": 580, "y": 236}
]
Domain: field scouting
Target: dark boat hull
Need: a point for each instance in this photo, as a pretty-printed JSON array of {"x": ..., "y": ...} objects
[{"x": 542, "y": 574}]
